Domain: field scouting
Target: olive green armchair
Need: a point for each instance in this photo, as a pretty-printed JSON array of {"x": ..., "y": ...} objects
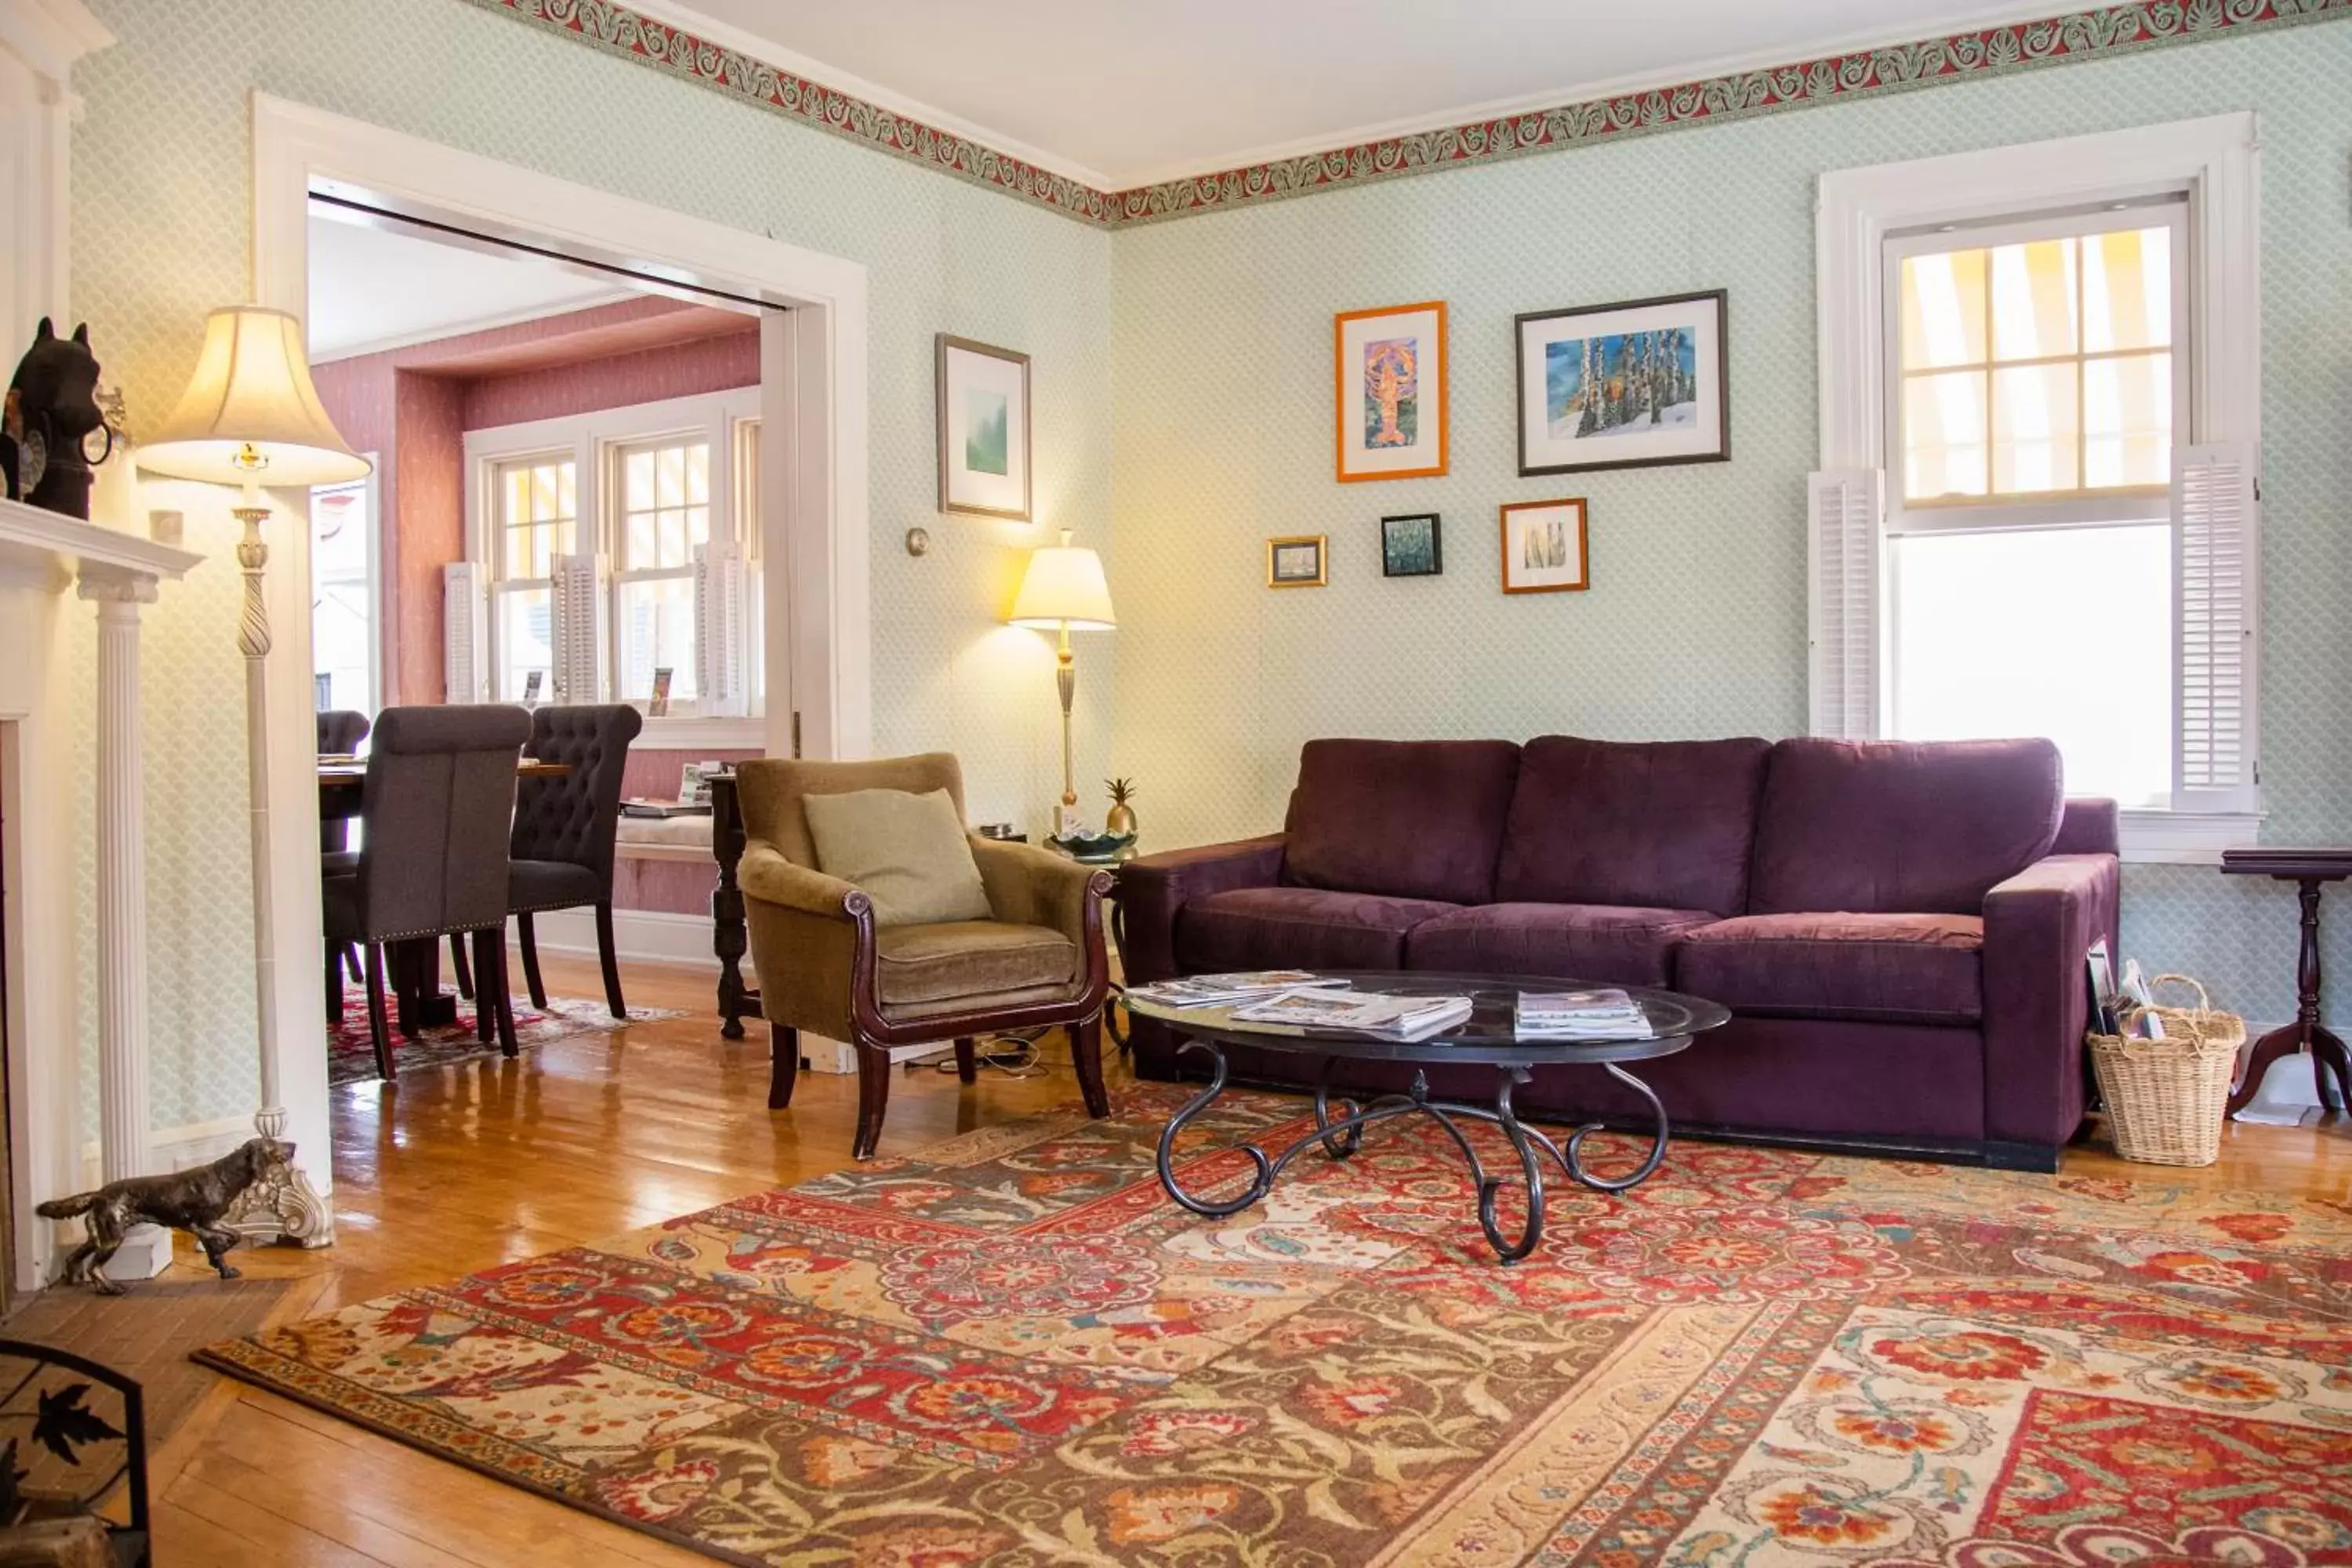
[{"x": 826, "y": 967}]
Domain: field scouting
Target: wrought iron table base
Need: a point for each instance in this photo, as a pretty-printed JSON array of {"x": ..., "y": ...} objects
[{"x": 1343, "y": 1135}]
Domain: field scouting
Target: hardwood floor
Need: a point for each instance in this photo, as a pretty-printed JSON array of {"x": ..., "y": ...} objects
[{"x": 455, "y": 1171}]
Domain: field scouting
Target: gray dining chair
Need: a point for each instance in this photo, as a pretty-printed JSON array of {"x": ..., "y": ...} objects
[
  {"x": 438, "y": 806},
  {"x": 564, "y": 827},
  {"x": 341, "y": 730}
]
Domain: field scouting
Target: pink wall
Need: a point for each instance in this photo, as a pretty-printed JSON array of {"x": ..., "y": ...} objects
[{"x": 410, "y": 406}]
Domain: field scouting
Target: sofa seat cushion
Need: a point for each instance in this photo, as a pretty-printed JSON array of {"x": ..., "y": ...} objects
[
  {"x": 1574, "y": 942},
  {"x": 1902, "y": 969},
  {"x": 1651, "y": 824},
  {"x": 1303, "y": 927},
  {"x": 1409, "y": 819},
  {"x": 955, "y": 965}
]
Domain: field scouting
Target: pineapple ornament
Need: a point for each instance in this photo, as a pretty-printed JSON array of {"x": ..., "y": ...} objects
[{"x": 1121, "y": 820}]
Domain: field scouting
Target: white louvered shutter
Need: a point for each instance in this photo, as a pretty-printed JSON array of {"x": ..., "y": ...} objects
[
  {"x": 1842, "y": 552},
  {"x": 719, "y": 606},
  {"x": 464, "y": 667},
  {"x": 2214, "y": 560},
  {"x": 578, "y": 629}
]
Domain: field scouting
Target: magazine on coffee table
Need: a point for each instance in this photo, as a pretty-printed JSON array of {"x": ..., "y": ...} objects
[
  {"x": 1595, "y": 1015},
  {"x": 1390, "y": 1017},
  {"x": 1243, "y": 985}
]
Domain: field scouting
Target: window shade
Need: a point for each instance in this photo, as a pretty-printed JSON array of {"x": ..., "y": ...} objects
[
  {"x": 1842, "y": 510},
  {"x": 578, "y": 629},
  {"x": 464, "y": 667},
  {"x": 2214, "y": 561},
  {"x": 720, "y": 604}
]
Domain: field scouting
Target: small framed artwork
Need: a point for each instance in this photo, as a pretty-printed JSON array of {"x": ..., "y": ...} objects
[
  {"x": 1390, "y": 392},
  {"x": 983, "y": 417},
  {"x": 659, "y": 706},
  {"x": 1544, "y": 547},
  {"x": 1635, "y": 385},
  {"x": 1296, "y": 562},
  {"x": 1412, "y": 546}
]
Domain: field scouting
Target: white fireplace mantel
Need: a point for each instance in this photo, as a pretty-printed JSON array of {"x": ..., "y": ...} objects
[{"x": 45, "y": 558}]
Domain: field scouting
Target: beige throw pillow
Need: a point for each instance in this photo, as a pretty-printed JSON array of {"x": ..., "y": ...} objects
[{"x": 907, "y": 851}]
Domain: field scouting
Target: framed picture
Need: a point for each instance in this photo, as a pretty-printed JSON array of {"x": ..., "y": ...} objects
[
  {"x": 1295, "y": 563},
  {"x": 1412, "y": 546},
  {"x": 1624, "y": 386},
  {"x": 983, "y": 416},
  {"x": 1544, "y": 547},
  {"x": 1390, "y": 392},
  {"x": 658, "y": 708}
]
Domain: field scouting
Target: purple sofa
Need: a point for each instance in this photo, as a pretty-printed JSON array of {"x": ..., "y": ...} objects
[{"x": 1899, "y": 930}]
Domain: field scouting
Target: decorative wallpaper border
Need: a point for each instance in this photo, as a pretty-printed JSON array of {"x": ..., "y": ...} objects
[{"x": 2077, "y": 37}]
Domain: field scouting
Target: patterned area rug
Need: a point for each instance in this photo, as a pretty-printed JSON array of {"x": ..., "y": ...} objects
[
  {"x": 351, "y": 1054},
  {"x": 1017, "y": 1350}
]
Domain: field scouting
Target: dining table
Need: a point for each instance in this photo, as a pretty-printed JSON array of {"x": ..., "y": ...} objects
[{"x": 414, "y": 967}]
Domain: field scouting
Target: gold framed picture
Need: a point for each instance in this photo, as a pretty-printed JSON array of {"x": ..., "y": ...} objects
[
  {"x": 984, "y": 419},
  {"x": 1389, "y": 388},
  {"x": 1544, "y": 547},
  {"x": 1298, "y": 562}
]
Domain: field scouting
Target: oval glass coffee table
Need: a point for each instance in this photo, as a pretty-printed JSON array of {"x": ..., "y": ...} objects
[{"x": 1488, "y": 1037}]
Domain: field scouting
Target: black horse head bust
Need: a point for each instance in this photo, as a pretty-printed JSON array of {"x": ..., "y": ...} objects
[{"x": 52, "y": 411}]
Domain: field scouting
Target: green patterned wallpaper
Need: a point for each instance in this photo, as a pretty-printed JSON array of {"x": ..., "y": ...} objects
[
  {"x": 160, "y": 235},
  {"x": 1695, "y": 622}
]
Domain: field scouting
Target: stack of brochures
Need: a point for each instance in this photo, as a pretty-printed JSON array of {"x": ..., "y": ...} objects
[
  {"x": 1580, "y": 1015},
  {"x": 1216, "y": 990},
  {"x": 1389, "y": 1017}
]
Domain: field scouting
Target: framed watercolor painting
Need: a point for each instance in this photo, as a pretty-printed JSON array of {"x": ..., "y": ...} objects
[
  {"x": 1390, "y": 392},
  {"x": 1296, "y": 562},
  {"x": 1544, "y": 547},
  {"x": 983, "y": 416},
  {"x": 1412, "y": 546},
  {"x": 1634, "y": 385}
]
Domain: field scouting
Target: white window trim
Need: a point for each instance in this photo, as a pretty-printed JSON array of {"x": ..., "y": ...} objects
[
  {"x": 2215, "y": 160},
  {"x": 590, "y": 439}
]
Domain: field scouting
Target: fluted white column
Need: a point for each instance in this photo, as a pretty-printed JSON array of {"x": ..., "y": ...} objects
[{"x": 123, "y": 1081}]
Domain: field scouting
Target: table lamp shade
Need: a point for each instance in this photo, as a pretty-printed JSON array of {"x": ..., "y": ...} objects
[
  {"x": 250, "y": 412},
  {"x": 1064, "y": 586}
]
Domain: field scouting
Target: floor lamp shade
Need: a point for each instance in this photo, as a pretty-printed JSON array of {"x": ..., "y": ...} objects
[{"x": 250, "y": 412}]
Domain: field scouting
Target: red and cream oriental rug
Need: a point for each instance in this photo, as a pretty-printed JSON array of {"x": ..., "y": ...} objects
[{"x": 1017, "y": 1350}]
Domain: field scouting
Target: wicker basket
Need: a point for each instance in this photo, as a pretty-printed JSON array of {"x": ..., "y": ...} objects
[{"x": 2165, "y": 1098}]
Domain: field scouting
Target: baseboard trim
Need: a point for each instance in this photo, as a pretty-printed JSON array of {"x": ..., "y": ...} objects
[{"x": 640, "y": 936}]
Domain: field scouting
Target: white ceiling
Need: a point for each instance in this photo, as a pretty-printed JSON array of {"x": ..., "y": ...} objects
[
  {"x": 371, "y": 288},
  {"x": 1125, "y": 92}
]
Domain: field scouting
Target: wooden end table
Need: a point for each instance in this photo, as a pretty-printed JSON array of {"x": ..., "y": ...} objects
[
  {"x": 2309, "y": 869},
  {"x": 730, "y": 938}
]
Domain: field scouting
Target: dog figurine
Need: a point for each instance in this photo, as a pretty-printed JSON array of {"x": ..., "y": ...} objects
[{"x": 193, "y": 1201}]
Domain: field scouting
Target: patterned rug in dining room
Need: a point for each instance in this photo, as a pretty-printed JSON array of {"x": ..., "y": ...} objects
[
  {"x": 1015, "y": 1349},
  {"x": 351, "y": 1051}
]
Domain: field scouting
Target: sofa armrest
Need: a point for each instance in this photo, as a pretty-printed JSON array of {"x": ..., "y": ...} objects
[
  {"x": 1032, "y": 886},
  {"x": 1152, "y": 889},
  {"x": 2038, "y": 927}
]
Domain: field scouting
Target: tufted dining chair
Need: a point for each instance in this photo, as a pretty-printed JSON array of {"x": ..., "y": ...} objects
[
  {"x": 438, "y": 805},
  {"x": 564, "y": 827},
  {"x": 341, "y": 730}
]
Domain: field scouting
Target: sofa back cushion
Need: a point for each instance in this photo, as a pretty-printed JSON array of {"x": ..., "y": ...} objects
[
  {"x": 1412, "y": 819},
  {"x": 1895, "y": 827},
  {"x": 1666, "y": 825}
]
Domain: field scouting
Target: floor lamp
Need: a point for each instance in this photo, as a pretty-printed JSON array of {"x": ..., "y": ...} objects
[
  {"x": 251, "y": 418},
  {"x": 1063, "y": 591}
]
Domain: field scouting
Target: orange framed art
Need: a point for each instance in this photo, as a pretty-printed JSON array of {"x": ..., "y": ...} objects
[
  {"x": 1544, "y": 547},
  {"x": 1389, "y": 392}
]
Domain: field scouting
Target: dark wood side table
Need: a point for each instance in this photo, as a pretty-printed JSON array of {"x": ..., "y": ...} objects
[
  {"x": 729, "y": 938},
  {"x": 2309, "y": 869}
]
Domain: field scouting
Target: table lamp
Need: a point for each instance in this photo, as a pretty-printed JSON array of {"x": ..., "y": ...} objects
[
  {"x": 1063, "y": 591},
  {"x": 250, "y": 418}
]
